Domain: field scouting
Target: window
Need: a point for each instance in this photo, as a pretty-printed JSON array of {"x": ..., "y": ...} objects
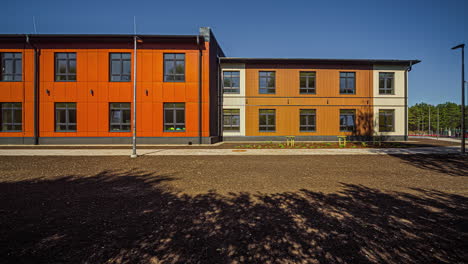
[
  {"x": 386, "y": 82},
  {"x": 174, "y": 67},
  {"x": 120, "y": 69},
  {"x": 119, "y": 117},
  {"x": 267, "y": 82},
  {"x": 347, "y": 83},
  {"x": 231, "y": 82},
  {"x": 174, "y": 117},
  {"x": 231, "y": 119},
  {"x": 347, "y": 120},
  {"x": 307, "y": 82},
  {"x": 11, "y": 65},
  {"x": 11, "y": 117},
  {"x": 65, "y": 117},
  {"x": 65, "y": 66},
  {"x": 267, "y": 120},
  {"x": 307, "y": 120},
  {"x": 386, "y": 120}
]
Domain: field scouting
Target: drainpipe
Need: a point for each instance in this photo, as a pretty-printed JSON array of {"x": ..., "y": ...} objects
[
  {"x": 408, "y": 69},
  {"x": 220, "y": 102},
  {"x": 37, "y": 53},
  {"x": 134, "y": 154},
  {"x": 200, "y": 107}
]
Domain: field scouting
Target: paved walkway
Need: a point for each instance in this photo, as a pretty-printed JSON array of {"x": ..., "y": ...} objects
[{"x": 204, "y": 152}]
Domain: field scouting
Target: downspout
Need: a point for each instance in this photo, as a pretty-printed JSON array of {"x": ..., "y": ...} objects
[
  {"x": 220, "y": 102},
  {"x": 408, "y": 69},
  {"x": 37, "y": 53},
  {"x": 200, "y": 107}
]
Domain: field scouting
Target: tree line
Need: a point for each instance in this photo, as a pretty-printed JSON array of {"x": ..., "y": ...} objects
[{"x": 425, "y": 117}]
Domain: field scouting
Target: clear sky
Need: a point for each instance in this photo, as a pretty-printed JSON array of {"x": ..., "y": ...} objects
[{"x": 370, "y": 29}]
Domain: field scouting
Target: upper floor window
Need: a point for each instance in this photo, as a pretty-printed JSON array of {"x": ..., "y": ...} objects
[
  {"x": 174, "y": 67},
  {"x": 11, "y": 65},
  {"x": 347, "y": 82},
  {"x": 307, "y": 82},
  {"x": 307, "y": 120},
  {"x": 267, "y": 120},
  {"x": 231, "y": 120},
  {"x": 231, "y": 81},
  {"x": 11, "y": 117},
  {"x": 267, "y": 82},
  {"x": 347, "y": 120},
  {"x": 65, "y": 66},
  {"x": 174, "y": 117},
  {"x": 386, "y": 80},
  {"x": 119, "y": 116},
  {"x": 386, "y": 120},
  {"x": 65, "y": 117},
  {"x": 120, "y": 69}
]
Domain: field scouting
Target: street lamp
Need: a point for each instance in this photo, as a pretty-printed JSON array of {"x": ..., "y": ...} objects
[
  {"x": 462, "y": 46},
  {"x": 135, "y": 40}
]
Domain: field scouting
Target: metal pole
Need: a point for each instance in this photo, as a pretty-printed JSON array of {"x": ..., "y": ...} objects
[
  {"x": 438, "y": 131},
  {"x": 463, "y": 101},
  {"x": 134, "y": 154},
  {"x": 429, "y": 126}
]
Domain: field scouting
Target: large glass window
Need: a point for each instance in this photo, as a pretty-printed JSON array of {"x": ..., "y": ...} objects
[
  {"x": 174, "y": 67},
  {"x": 347, "y": 120},
  {"x": 65, "y": 66},
  {"x": 267, "y": 82},
  {"x": 11, "y": 65},
  {"x": 65, "y": 117},
  {"x": 231, "y": 120},
  {"x": 347, "y": 82},
  {"x": 267, "y": 120},
  {"x": 307, "y": 82},
  {"x": 119, "y": 117},
  {"x": 174, "y": 117},
  {"x": 231, "y": 81},
  {"x": 386, "y": 120},
  {"x": 11, "y": 117},
  {"x": 120, "y": 67},
  {"x": 386, "y": 80},
  {"x": 307, "y": 120}
]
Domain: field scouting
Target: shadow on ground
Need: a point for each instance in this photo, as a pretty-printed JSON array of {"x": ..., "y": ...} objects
[
  {"x": 451, "y": 164},
  {"x": 132, "y": 218}
]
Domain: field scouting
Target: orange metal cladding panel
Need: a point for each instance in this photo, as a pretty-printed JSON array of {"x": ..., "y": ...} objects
[
  {"x": 287, "y": 101},
  {"x": 21, "y": 92}
]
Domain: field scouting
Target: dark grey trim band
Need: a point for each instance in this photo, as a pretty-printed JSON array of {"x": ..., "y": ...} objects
[
  {"x": 312, "y": 138},
  {"x": 106, "y": 140}
]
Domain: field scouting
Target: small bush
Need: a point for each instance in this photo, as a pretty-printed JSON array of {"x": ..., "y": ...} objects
[{"x": 364, "y": 144}]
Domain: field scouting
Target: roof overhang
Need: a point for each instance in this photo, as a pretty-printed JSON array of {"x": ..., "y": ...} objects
[{"x": 319, "y": 61}]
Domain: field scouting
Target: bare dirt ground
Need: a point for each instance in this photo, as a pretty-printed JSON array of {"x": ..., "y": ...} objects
[{"x": 234, "y": 209}]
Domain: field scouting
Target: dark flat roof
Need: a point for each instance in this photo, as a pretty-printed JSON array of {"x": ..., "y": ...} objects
[
  {"x": 97, "y": 37},
  {"x": 321, "y": 61}
]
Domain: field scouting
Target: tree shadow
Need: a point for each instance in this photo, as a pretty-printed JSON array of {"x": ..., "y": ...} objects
[
  {"x": 450, "y": 164},
  {"x": 132, "y": 217}
]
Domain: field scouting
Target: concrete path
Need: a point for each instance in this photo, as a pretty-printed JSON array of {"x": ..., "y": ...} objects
[{"x": 237, "y": 152}]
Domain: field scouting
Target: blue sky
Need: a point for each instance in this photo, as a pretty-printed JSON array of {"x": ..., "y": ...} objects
[{"x": 399, "y": 29}]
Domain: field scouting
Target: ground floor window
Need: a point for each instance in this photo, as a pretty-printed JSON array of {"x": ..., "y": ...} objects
[
  {"x": 119, "y": 117},
  {"x": 267, "y": 120},
  {"x": 347, "y": 120},
  {"x": 65, "y": 117},
  {"x": 307, "y": 120},
  {"x": 231, "y": 120},
  {"x": 386, "y": 120},
  {"x": 11, "y": 117},
  {"x": 174, "y": 117}
]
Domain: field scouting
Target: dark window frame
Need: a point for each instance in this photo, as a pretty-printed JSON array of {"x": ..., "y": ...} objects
[
  {"x": 173, "y": 75},
  {"x": 385, "y": 113},
  {"x": 346, "y": 89},
  {"x": 230, "y": 112},
  {"x": 308, "y": 89},
  {"x": 121, "y": 107},
  {"x": 174, "y": 124},
  {"x": 67, "y": 123},
  {"x": 231, "y": 89},
  {"x": 121, "y": 60},
  {"x": 17, "y": 75},
  {"x": 267, "y": 126},
  {"x": 12, "y": 107},
  {"x": 267, "y": 89},
  {"x": 348, "y": 112},
  {"x": 308, "y": 126},
  {"x": 386, "y": 77},
  {"x": 70, "y": 77}
]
